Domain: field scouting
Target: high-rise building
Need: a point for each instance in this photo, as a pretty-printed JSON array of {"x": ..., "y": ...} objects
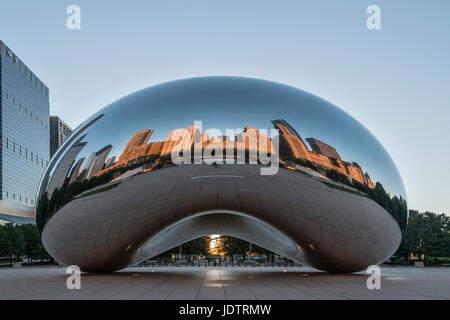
[
  {"x": 59, "y": 131},
  {"x": 136, "y": 146},
  {"x": 25, "y": 136},
  {"x": 291, "y": 143},
  {"x": 252, "y": 139},
  {"x": 98, "y": 162},
  {"x": 60, "y": 175},
  {"x": 180, "y": 139},
  {"x": 323, "y": 148},
  {"x": 355, "y": 172}
]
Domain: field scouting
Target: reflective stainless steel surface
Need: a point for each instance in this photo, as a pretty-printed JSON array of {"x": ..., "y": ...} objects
[{"x": 249, "y": 158}]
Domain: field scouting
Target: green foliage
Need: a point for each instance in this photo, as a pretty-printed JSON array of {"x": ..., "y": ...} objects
[
  {"x": 17, "y": 241},
  {"x": 231, "y": 246},
  {"x": 396, "y": 206},
  {"x": 300, "y": 161},
  {"x": 198, "y": 246},
  {"x": 331, "y": 185},
  {"x": 337, "y": 176},
  {"x": 428, "y": 234},
  {"x": 12, "y": 240},
  {"x": 227, "y": 245}
]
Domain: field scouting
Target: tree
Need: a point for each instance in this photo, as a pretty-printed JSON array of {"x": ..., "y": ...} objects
[
  {"x": 13, "y": 241},
  {"x": 19, "y": 240},
  {"x": 412, "y": 241},
  {"x": 198, "y": 246},
  {"x": 39, "y": 252},
  {"x": 427, "y": 234},
  {"x": 31, "y": 240},
  {"x": 231, "y": 246},
  {"x": 434, "y": 236},
  {"x": 4, "y": 245}
]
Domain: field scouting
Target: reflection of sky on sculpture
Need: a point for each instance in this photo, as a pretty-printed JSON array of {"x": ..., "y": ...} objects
[{"x": 232, "y": 103}]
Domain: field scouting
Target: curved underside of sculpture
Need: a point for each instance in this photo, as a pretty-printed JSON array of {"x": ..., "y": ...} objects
[{"x": 138, "y": 218}]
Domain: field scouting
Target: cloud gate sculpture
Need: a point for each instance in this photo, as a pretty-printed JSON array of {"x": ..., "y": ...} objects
[{"x": 253, "y": 159}]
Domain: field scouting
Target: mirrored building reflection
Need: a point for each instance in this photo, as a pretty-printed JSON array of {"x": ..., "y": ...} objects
[{"x": 189, "y": 156}]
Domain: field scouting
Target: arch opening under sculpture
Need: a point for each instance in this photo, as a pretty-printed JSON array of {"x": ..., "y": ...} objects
[{"x": 223, "y": 222}]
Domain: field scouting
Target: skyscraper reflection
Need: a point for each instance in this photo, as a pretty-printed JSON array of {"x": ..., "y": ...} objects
[
  {"x": 323, "y": 158},
  {"x": 294, "y": 151}
]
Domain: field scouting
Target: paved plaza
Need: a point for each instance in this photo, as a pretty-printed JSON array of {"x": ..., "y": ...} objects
[{"x": 232, "y": 283}]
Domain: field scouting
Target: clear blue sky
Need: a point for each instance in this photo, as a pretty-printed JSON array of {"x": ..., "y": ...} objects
[{"x": 396, "y": 81}]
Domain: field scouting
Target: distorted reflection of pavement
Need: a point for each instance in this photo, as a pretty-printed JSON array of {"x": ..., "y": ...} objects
[{"x": 348, "y": 231}]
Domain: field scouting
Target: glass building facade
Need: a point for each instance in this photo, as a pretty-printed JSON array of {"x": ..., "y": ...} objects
[{"x": 24, "y": 128}]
